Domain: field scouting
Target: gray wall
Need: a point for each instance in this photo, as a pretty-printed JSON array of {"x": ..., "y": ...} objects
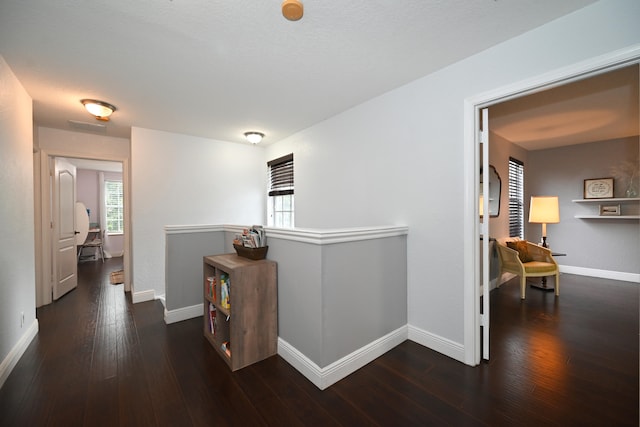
[
  {"x": 364, "y": 294},
  {"x": 603, "y": 244},
  {"x": 183, "y": 264},
  {"x": 17, "y": 257},
  {"x": 299, "y": 295},
  {"x": 333, "y": 298}
]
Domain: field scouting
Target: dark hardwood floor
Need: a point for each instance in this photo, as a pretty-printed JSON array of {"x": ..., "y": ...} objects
[{"x": 98, "y": 360}]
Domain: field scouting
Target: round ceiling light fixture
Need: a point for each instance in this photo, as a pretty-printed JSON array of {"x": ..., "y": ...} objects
[
  {"x": 292, "y": 9},
  {"x": 100, "y": 109},
  {"x": 254, "y": 137}
]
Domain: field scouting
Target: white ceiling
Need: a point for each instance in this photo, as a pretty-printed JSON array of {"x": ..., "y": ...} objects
[{"x": 217, "y": 68}]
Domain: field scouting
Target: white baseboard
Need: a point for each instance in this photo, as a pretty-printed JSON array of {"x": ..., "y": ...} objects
[
  {"x": 184, "y": 313},
  {"x": 142, "y": 296},
  {"x": 17, "y": 351},
  {"x": 603, "y": 274},
  {"x": 435, "y": 342},
  {"x": 324, "y": 377}
]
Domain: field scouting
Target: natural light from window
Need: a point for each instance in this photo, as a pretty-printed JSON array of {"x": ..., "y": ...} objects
[
  {"x": 113, "y": 201},
  {"x": 280, "y": 204}
]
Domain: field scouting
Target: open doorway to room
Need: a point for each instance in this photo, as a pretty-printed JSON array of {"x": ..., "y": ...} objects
[
  {"x": 89, "y": 198},
  {"x": 536, "y": 118}
]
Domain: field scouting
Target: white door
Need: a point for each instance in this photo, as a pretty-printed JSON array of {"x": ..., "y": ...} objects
[
  {"x": 65, "y": 265},
  {"x": 483, "y": 136}
]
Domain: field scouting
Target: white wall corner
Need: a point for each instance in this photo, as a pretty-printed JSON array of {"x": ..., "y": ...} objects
[
  {"x": 17, "y": 351},
  {"x": 325, "y": 377},
  {"x": 435, "y": 342},
  {"x": 183, "y": 313},
  {"x": 142, "y": 296}
]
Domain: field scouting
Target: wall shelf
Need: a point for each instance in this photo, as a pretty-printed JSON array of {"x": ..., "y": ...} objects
[
  {"x": 611, "y": 200},
  {"x": 636, "y": 217},
  {"x": 630, "y": 206}
]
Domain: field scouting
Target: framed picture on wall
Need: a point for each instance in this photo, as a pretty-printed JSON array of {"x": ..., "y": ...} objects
[{"x": 598, "y": 188}]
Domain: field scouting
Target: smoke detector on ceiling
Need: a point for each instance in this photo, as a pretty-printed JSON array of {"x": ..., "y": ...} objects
[{"x": 292, "y": 9}]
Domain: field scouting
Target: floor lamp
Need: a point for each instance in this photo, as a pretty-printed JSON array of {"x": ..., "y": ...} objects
[{"x": 544, "y": 210}]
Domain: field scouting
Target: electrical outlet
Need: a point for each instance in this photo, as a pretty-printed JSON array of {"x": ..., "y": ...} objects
[{"x": 21, "y": 319}]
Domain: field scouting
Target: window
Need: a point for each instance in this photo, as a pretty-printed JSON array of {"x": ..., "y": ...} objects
[
  {"x": 516, "y": 198},
  {"x": 280, "y": 206},
  {"x": 113, "y": 203}
]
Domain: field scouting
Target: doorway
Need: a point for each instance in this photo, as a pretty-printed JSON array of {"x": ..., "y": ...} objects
[
  {"x": 473, "y": 317},
  {"x": 46, "y": 263}
]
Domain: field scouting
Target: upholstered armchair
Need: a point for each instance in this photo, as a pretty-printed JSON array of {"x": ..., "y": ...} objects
[{"x": 526, "y": 259}]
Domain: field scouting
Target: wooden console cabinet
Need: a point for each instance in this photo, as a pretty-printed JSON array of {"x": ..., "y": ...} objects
[{"x": 245, "y": 330}]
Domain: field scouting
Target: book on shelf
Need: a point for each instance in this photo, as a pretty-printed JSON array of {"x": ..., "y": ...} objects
[
  {"x": 212, "y": 319},
  {"x": 211, "y": 287},
  {"x": 225, "y": 291}
]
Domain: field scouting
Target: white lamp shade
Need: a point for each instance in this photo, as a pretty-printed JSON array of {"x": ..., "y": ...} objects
[{"x": 544, "y": 210}]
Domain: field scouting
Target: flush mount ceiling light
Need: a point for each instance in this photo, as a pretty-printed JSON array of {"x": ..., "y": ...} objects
[
  {"x": 292, "y": 9},
  {"x": 254, "y": 137},
  {"x": 100, "y": 109}
]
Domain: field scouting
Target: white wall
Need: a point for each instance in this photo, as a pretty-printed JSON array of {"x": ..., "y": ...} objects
[
  {"x": 83, "y": 145},
  {"x": 397, "y": 159},
  {"x": 180, "y": 179},
  {"x": 17, "y": 258}
]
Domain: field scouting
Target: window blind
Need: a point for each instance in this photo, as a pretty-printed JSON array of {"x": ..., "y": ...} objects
[
  {"x": 516, "y": 198},
  {"x": 281, "y": 176}
]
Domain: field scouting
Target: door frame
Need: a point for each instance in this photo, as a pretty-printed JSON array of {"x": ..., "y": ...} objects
[
  {"x": 43, "y": 204},
  {"x": 578, "y": 71}
]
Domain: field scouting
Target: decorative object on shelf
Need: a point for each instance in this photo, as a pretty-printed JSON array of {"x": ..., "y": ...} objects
[
  {"x": 606, "y": 210},
  {"x": 254, "y": 137},
  {"x": 544, "y": 210},
  {"x": 252, "y": 243},
  {"x": 629, "y": 208},
  {"x": 251, "y": 253},
  {"x": 598, "y": 188},
  {"x": 628, "y": 172},
  {"x": 292, "y": 9},
  {"x": 100, "y": 109}
]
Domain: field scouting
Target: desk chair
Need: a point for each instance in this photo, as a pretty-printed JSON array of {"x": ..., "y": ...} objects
[{"x": 94, "y": 240}]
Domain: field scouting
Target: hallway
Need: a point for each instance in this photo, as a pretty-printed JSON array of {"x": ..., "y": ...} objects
[{"x": 98, "y": 360}]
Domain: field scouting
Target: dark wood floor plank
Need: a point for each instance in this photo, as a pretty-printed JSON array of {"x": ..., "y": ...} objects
[
  {"x": 293, "y": 405},
  {"x": 100, "y": 360}
]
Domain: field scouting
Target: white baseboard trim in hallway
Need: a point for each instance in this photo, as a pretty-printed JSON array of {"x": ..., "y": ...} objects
[{"x": 17, "y": 351}]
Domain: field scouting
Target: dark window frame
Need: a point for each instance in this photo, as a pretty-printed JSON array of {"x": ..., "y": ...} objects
[{"x": 516, "y": 198}]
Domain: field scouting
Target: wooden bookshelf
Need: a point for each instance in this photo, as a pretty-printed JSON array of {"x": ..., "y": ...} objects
[{"x": 250, "y": 324}]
